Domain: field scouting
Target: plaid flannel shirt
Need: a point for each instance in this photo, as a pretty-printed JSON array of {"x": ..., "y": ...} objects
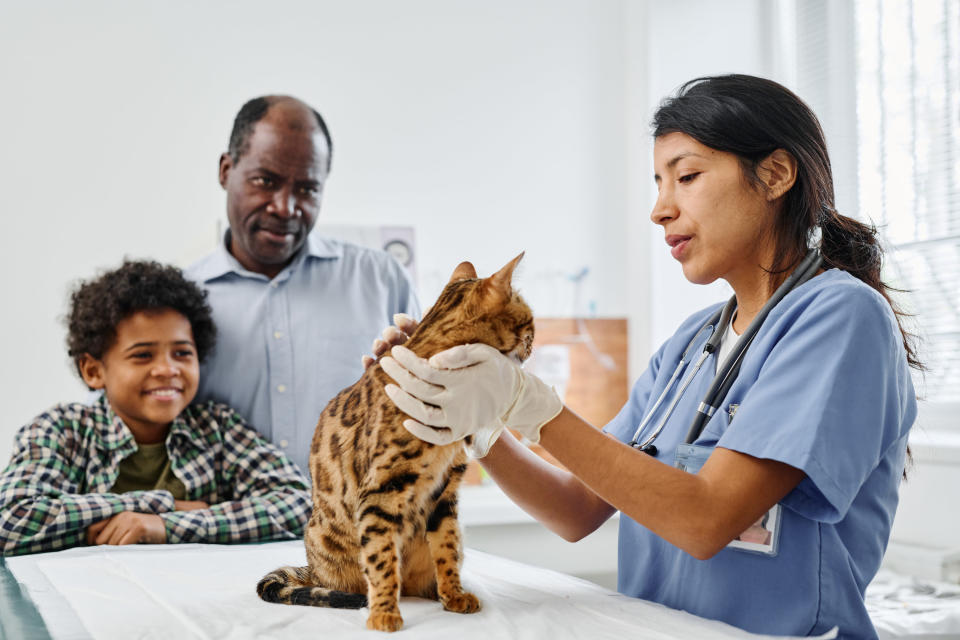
[{"x": 63, "y": 466}]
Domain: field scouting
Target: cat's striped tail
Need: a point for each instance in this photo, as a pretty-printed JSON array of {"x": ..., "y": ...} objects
[{"x": 291, "y": 585}]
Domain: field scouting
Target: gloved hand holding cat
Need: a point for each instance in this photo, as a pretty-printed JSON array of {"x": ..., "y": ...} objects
[{"x": 469, "y": 390}]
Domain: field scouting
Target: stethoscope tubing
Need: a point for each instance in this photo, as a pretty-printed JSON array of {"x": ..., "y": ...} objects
[
  {"x": 676, "y": 398},
  {"x": 730, "y": 368},
  {"x": 667, "y": 388}
]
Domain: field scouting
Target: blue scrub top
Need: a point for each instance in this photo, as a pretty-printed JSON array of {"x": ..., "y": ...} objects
[{"x": 825, "y": 387}]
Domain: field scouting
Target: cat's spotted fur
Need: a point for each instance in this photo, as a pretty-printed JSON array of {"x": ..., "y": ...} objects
[{"x": 384, "y": 517}]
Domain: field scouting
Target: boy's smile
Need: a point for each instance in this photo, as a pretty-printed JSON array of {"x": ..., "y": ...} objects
[{"x": 149, "y": 373}]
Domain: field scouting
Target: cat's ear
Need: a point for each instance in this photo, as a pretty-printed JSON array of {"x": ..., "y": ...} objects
[
  {"x": 463, "y": 271},
  {"x": 500, "y": 281}
]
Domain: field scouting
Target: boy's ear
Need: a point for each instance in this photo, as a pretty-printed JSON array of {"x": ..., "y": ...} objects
[{"x": 91, "y": 370}]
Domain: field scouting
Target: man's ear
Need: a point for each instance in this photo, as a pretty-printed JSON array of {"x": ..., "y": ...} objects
[
  {"x": 226, "y": 163},
  {"x": 778, "y": 171},
  {"x": 91, "y": 370}
]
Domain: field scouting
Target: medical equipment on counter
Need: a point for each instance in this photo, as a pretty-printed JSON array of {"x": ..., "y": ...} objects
[{"x": 728, "y": 370}]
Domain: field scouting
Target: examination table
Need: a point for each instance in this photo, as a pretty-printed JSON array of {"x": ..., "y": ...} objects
[{"x": 195, "y": 591}]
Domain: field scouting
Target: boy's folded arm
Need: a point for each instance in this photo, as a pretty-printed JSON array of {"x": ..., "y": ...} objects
[
  {"x": 277, "y": 515},
  {"x": 40, "y": 516},
  {"x": 40, "y": 506},
  {"x": 272, "y": 496}
]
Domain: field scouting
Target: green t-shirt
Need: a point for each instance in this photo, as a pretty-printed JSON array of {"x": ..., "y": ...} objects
[{"x": 149, "y": 469}]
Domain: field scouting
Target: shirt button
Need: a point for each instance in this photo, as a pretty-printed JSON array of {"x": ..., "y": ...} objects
[
  {"x": 278, "y": 334},
  {"x": 281, "y": 388},
  {"x": 283, "y": 444},
  {"x": 274, "y": 284}
]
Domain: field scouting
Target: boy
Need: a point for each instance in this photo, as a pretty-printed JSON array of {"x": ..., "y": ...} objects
[{"x": 142, "y": 464}]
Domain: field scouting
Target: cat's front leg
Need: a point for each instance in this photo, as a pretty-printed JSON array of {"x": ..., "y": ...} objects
[
  {"x": 380, "y": 559},
  {"x": 444, "y": 539}
]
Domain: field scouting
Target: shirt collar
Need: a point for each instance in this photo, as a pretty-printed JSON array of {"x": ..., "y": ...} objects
[
  {"x": 181, "y": 427},
  {"x": 320, "y": 247},
  {"x": 222, "y": 262},
  {"x": 116, "y": 435}
]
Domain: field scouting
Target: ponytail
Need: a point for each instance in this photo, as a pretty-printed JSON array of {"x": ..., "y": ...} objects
[{"x": 852, "y": 246}]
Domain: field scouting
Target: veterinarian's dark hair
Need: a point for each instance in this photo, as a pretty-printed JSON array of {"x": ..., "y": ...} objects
[
  {"x": 97, "y": 307},
  {"x": 252, "y": 112},
  {"x": 752, "y": 117}
]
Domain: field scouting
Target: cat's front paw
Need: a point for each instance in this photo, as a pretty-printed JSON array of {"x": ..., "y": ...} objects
[
  {"x": 462, "y": 602},
  {"x": 387, "y": 621}
]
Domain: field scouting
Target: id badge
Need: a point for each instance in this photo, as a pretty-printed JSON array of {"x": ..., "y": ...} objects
[{"x": 762, "y": 536}]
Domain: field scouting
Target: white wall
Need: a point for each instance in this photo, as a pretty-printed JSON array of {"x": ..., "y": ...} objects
[
  {"x": 706, "y": 38},
  {"x": 491, "y": 127}
]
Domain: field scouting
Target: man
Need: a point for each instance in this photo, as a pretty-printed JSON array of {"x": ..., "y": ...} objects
[{"x": 294, "y": 312}]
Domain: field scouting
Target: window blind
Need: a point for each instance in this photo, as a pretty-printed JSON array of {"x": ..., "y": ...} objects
[{"x": 908, "y": 167}]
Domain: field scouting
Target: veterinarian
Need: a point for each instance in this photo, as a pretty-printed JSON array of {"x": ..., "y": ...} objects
[
  {"x": 804, "y": 434},
  {"x": 292, "y": 309}
]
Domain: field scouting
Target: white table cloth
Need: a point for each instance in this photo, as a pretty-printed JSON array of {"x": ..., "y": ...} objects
[{"x": 208, "y": 592}]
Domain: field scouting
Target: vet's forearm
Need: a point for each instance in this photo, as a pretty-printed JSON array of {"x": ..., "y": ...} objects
[{"x": 553, "y": 496}]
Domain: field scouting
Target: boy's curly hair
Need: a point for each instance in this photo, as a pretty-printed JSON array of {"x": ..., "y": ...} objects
[{"x": 97, "y": 306}]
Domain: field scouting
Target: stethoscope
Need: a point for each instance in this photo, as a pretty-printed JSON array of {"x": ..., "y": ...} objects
[{"x": 730, "y": 368}]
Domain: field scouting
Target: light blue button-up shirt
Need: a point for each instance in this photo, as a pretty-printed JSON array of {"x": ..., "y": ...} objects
[{"x": 286, "y": 346}]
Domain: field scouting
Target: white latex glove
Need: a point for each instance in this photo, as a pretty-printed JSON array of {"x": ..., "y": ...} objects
[
  {"x": 403, "y": 327},
  {"x": 469, "y": 390}
]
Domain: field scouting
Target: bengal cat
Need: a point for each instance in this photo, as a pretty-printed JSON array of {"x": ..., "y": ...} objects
[{"x": 384, "y": 519}]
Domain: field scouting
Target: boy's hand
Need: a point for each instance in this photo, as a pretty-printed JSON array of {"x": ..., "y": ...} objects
[
  {"x": 189, "y": 505},
  {"x": 128, "y": 527}
]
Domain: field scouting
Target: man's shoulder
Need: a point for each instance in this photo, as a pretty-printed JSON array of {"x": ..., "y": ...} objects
[
  {"x": 374, "y": 261},
  {"x": 207, "y": 267},
  {"x": 329, "y": 247}
]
